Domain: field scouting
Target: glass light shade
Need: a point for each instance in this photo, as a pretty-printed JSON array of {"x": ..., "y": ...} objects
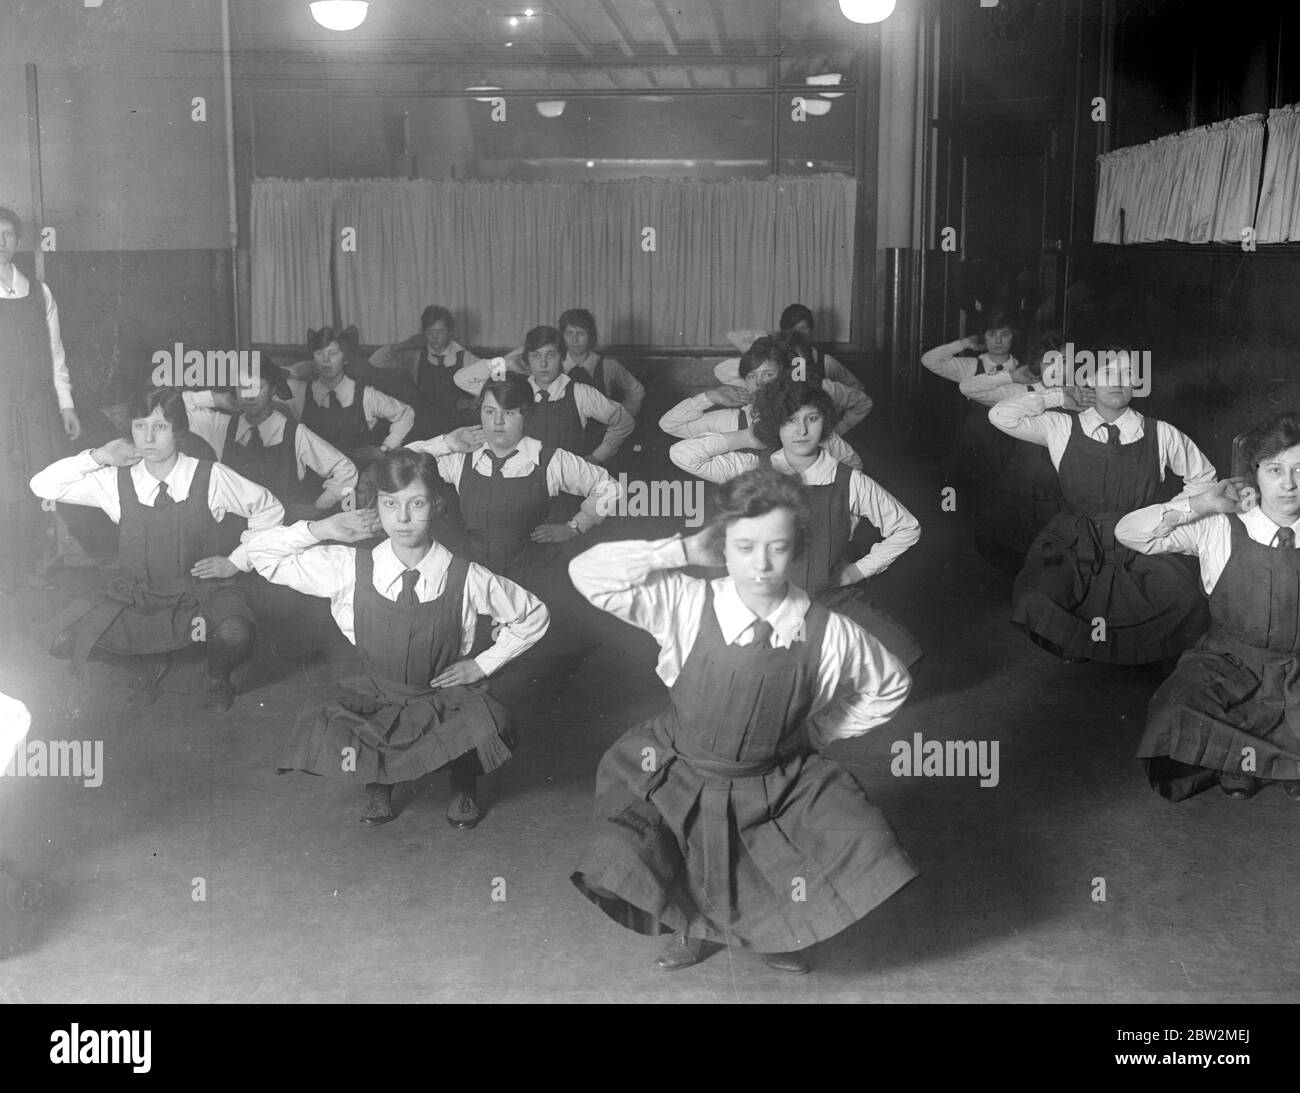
[
  {"x": 867, "y": 11},
  {"x": 815, "y": 107},
  {"x": 551, "y": 109},
  {"x": 340, "y": 14}
]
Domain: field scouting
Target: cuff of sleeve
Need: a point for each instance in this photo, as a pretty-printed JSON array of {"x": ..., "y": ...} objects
[
  {"x": 487, "y": 662},
  {"x": 1051, "y": 397},
  {"x": 65, "y": 401},
  {"x": 240, "y": 560}
]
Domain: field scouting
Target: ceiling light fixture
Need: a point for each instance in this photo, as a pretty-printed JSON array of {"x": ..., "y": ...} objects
[
  {"x": 551, "y": 108},
  {"x": 485, "y": 87},
  {"x": 827, "y": 79},
  {"x": 814, "y": 108},
  {"x": 867, "y": 11},
  {"x": 340, "y": 14}
]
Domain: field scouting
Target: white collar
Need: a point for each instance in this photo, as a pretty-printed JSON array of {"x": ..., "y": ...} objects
[
  {"x": 555, "y": 391},
  {"x": 1091, "y": 421},
  {"x": 734, "y": 618},
  {"x": 321, "y": 394},
  {"x": 389, "y": 570},
  {"x": 1262, "y": 528},
  {"x": 529, "y": 448}
]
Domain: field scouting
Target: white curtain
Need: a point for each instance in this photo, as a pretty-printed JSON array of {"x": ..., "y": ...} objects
[
  {"x": 1279, "y": 203},
  {"x": 1192, "y": 187},
  {"x": 505, "y": 256}
]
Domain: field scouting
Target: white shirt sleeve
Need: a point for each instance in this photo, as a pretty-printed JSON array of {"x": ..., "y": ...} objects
[
  {"x": 1172, "y": 528},
  {"x": 990, "y": 388},
  {"x": 591, "y": 404},
  {"x": 206, "y": 422},
  {"x": 838, "y": 448},
  {"x": 852, "y": 404},
  {"x": 839, "y": 373},
  {"x": 319, "y": 455},
  {"x": 686, "y": 419},
  {"x": 62, "y": 381},
  {"x": 600, "y": 493},
  {"x": 630, "y": 389},
  {"x": 230, "y": 492},
  {"x": 79, "y": 480},
  {"x": 860, "y": 684},
  {"x": 712, "y": 458},
  {"x": 523, "y": 618},
  {"x": 1026, "y": 418},
  {"x": 944, "y": 361},
  {"x": 401, "y": 418},
  {"x": 899, "y": 528},
  {"x": 1184, "y": 458}
]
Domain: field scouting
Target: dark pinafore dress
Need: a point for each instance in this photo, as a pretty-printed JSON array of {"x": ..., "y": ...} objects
[
  {"x": 715, "y": 817},
  {"x": 559, "y": 425},
  {"x": 831, "y": 533},
  {"x": 1013, "y": 508},
  {"x": 1077, "y": 577},
  {"x": 152, "y": 608},
  {"x": 274, "y": 466},
  {"x": 344, "y": 427},
  {"x": 400, "y": 728},
  {"x": 1239, "y": 688},
  {"x": 437, "y": 398},
  {"x": 594, "y": 432},
  {"x": 500, "y": 515}
]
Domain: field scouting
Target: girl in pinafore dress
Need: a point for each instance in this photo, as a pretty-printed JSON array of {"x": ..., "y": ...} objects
[
  {"x": 411, "y": 608},
  {"x": 792, "y": 417},
  {"x": 718, "y": 820},
  {"x": 1230, "y": 712},
  {"x": 1081, "y": 595},
  {"x": 177, "y": 587},
  {"x": 507, "y": 484}
]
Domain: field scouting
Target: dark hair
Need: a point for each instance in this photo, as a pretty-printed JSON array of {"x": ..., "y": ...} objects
[
  {"x": 795, "y": 345},
  {"x": 756, "y": 493},
  {"x": 997, "y": 319},
  {"x": 778, "y": 402},
  {"x": 170, "y": 399},
  {"x": 512, "y": 393},
  {"x": 347, "y": 339},
  {"x": 1269, "y": 438},
  {"x": 541, "y": 336},
  {"x": 12, "y": 217},
  {"x": 432, "y": 314},
  {"x": 1050, "y": 341},
  {"x": 579, "y": 317},
  {"x": 398, "y": 469},
  {"x": 763, "y": 350},
  {"x": 795, "y": 314}
]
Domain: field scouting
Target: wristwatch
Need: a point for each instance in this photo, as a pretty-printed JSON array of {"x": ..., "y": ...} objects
[{"x": 574, "y": 525}]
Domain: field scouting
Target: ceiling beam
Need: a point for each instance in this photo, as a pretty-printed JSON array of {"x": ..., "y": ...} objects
[
  {"x": 626, "y": 43},
  {"x": 717, "y": 29},
  {"x": 583, "y": 42}
]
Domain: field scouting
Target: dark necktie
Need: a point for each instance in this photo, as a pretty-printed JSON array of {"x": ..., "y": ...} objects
[
  {"x": 440, "y": 359},
  {"x": 1285, "y": 537},
  {"x": 255, "y": 437},
  {"x": 407, "y": 596},
  {"x": 1112, "y": 434},
  {"x": 164, "y": 497},
  {"x": 499, "y": 461},
  {"x": 541, "y": 396},
  {"x": 762, "y": 631},
  {"x": 334, "y": 401}
]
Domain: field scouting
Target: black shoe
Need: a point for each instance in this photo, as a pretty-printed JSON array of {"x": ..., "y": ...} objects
[
  {"x": 220, "y": 696},
  {"x": 794, "y": 963},
  {"x": 379, "y": 808},
  {"x": 1291, "y": 788},
  {"x": 682, "y": 952},
  {"x": 463, "y": 811},
  {"x": 145, "y": 687},
  {"x": 1240, "y": 787}
]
